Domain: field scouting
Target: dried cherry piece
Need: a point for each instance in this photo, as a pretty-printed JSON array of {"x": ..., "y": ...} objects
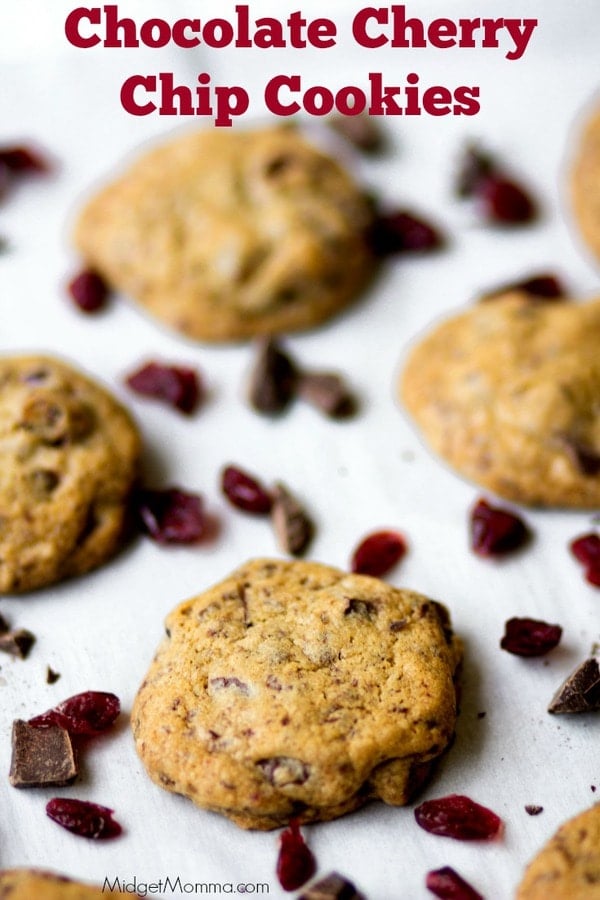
[
  {"x": 402, "y": 232},
  {"x": 179, "y": 386},
  {"x": 447, "y": 884},
  {"x": 505, "y": 201},
  {"x": 378, "y": 553},
  {"x": 587, "y": 550},
  {"x": 496, "y": 531},
  {"x": 530, "y": 637},
  {"x": 22, "y": 159},
  {"x": 458, "y": 817},
  {"x": 89, "y": 291},
  {"x": 295, "y": 863},
  {"x": 543, "y": 286},
  {"x": 85, "y": 819},
  {"x": 172, "y": 516},
  {"x": 88, "y": 713},
  {"x": 245, "y": 492}
]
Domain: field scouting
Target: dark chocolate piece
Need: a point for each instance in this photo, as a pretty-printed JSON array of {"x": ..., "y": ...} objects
[
  {"x": 293, "y": 528},
  {"x": 580, "y": 692},
  {"x": 328, "y": 393},
  {"x": 532, "y": 810},
  {"x": 586, "y": 460},
  {"x": 273, "y": 379},
  {"x": 332, "y": 887},
  {"x": 17, "y": 643},
  {"x": 51, "y": 675},
  {"x": 41, "y": 756},
  {"x": 4, "y": 626},
  {"x": 362, "y": 131}
]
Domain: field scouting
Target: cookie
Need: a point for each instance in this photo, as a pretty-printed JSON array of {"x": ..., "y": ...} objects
[
  {"x": 568, "y": 867},
  {"x": 225, "y": 235},
  {"x": 507, "y": 393},
  {"x": 69, "y": 458},
  {"x": 585, "y": 184},
  {"x": 293, "y": 689},
  {"x": 32, "y": 884}
]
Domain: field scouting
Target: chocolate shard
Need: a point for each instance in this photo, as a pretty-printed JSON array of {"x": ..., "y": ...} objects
[
  {"x": 272, "y": 380},
  {"x": 362, "y": 131},
  {"x": 293, "y": 528},
  {"x": 329, "y": 393},
  {"x": 51, "y": 675},
  {"x": 41, "y": 757},
  {"x": 17, "y": 643},
  {"x": 332, "y": 887},
  {"x": 580, "y": 692},
  {"x": 4, "y": 626},
  {"x": 586, "y": 460},
  {"x": 533, "y": 810}
]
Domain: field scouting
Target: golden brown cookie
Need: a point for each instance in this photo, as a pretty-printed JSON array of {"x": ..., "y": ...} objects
[
  {"x": 568, "y": 867},
  {"x": 295, "y": 689},
  {"x": 585, "y": 184},
  {"x": 508, "y": 393},
  {"x": 69, "y": 459},
  {"x": 224, "y": 235},
  {"x": 32, "y": 884}
]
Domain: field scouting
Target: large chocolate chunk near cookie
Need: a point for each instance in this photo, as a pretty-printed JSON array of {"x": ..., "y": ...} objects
[
  {"x": 295, "y": 689},
  {"x": 509, "y": 394},
  {"x": 69, "y": 456},
  {"x": 224, "y": 235}
]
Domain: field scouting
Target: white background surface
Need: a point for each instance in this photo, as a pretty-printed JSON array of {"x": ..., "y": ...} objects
[{"x": 100, "y": 631}]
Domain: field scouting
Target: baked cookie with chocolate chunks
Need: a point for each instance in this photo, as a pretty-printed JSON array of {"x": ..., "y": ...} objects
[
  {"x": 69, "y": 459},
  {"x": 507, "y": 393},
  {"x": 224, "y": 235},
  {"x": 568, "y": 867},
  {"x": 293, "y": 689},
  {"x": 36, "y": 884}
]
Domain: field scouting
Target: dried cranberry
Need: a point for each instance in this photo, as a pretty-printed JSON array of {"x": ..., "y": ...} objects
[
  {"x": 448, "y": 885},
  {"x": 504, "y": 201},
  {"x": 89, "y": 291},
  {"x": 587, "y": 550},
  {"x": 543, "y": 286},
  {"x": 245, "y": 492},
  {"x": 400, "y": 232},
  {"x": 496, "y": 531},
  {"x": 22, "y": 159},
  {"x": 178, "y": 386},
  {"x": 82, "y": 818},
  {"x": 378, "y": 553},
  {"x": 458, "y": 817},
  {"x": 530, "y": 637},
  {"x": 88, "y": 713},
  {"x": 295, "y": 863},
  {"x": 172, "y": 516}
]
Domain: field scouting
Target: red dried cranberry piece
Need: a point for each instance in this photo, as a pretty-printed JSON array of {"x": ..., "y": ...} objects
[
  {"x": 458, "y": 817},
  {"x": 88, "y": 713},
  {"x": 295, "y": 863},
  {"x": 544, "y": 287},
  {"x": 23, "y": 159},
  {"x": 245, "y": 492},
  {"x": 402, "y": 232},
  {"x": 172, "y": 516},
  {"x": 378, "y": 553},
  {"x": 448, "y": 885},
  {"x": 89, "y": 291},
  {"x": 530, "y": 637},
  {"x": 179, "y": 386},
  {"x": 587, "y": 550},
  {"x": 85, "y": 819},
  {"x": 505, "y": 201},
  {"x": 496, "y": 531}
]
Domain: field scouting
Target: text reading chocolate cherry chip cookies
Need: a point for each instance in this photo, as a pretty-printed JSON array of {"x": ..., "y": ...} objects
[
  {"x": 226, "y": 235},
  {"x": 32, "y": 884},
  {"x": 568, "y": 867},
  {"x": 508, "y": 393},
  {"x": 69, "y": 459},
  {"x": 294, "y": 689}
]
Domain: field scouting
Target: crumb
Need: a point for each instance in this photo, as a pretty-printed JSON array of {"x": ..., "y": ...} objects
[{"x": 51, "y": 675}]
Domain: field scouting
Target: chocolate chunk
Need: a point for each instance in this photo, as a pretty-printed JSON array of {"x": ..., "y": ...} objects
[
  {"x": 332, "y": 887},
  {"x": 4, "y": 626},
  {"x": 532, "y": 810},
  {"x": 273, "y": 379},
  {"x": 587, "y": 461},
  {"x": 51, "y": 675},
  {"x": 17, "y": 643},
  {"x": 293, "y": 528},
  {"x": 362, "y": 131},
  {"x": 41, "y": 756},
  {"x": 328, "y": 393},
  {"x": 581, "y": 690}
]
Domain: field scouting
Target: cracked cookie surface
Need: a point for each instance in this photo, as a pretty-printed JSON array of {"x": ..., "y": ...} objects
[
  {"x": 568, "y": 866},
  {"x": 295, "y": 689},
  {"x": 69, "y": 459},
  {"x": 32, "y": 884},
  {"x": 224, "y": 235},
  {"x": 508, "y": 393}
]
